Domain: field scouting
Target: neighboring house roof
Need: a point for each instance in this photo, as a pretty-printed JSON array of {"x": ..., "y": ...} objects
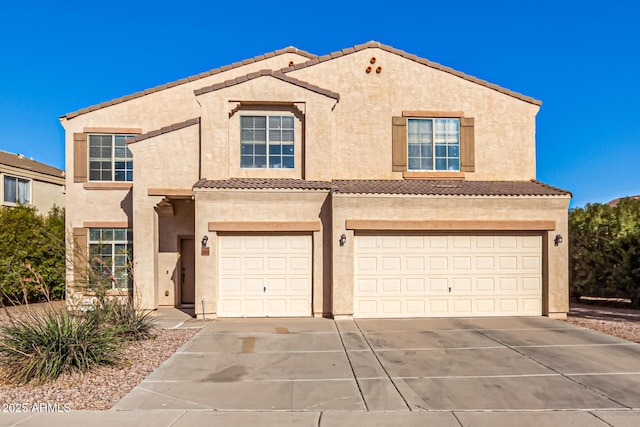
[
  {"x": 402, "y": 53},
  {"x": 615, "y": 202},
  {"x": 194, "y": 77},
  {"x": 395, "y": 186},
  {"x": 277, "y": 74},
  {"x": 313, "y": 60},
  {"x": 22, "y": 162}
]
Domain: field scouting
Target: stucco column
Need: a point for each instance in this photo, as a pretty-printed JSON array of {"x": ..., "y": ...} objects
[{"x": 145, "y": 249}]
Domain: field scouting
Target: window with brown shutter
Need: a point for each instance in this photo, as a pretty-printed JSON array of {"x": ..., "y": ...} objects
[{"x": 443, "y": 159}]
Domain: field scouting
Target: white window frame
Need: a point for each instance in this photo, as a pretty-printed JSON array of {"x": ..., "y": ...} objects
[
  {"x": 17, "y": 201},
  {"x": 437, "y": 141},
  {"x": 269, "y": 143},
  {"x": 113, "y": 159},
  {"x": 113, "y": 269}
]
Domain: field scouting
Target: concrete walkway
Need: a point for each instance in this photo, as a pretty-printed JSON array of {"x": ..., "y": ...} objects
[{"x": 320, "y": 372}]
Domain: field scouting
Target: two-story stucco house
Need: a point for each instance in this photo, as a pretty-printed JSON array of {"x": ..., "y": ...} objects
[
  {"x": 28, "y": 182},
  {"x": 367, "y": 182}
]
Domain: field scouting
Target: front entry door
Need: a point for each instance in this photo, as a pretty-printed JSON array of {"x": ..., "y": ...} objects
[{"x": 187, "y": 271}]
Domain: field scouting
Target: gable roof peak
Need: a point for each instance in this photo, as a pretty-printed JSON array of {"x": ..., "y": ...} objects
[
  {"x": 411, "y": 57},
  {"x": 289, "y": 49}
]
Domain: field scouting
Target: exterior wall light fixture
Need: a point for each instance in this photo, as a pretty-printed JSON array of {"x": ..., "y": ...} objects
[
  {"x": 205, "y": 239},
  {"x": 343, "y": 240},
  {"x": 557, "y": 240}
]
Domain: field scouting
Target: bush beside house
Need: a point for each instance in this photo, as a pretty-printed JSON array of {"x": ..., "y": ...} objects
[
  {"x": 32, "y": 254},
  {"x": 604, "y": 251}
]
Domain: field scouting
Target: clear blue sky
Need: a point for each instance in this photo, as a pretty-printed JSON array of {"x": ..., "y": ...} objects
[{"x": 581, "y": 58}]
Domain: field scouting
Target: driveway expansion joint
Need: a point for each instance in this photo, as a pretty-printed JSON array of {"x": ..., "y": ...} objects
[
  {"x": 515, "y": 349},
  {"x": 395, "y": 386}
]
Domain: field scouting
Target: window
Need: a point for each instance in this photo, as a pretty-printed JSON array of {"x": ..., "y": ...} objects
[
  {"x": 17, "y": 190},
  {"x": 267, "y": 142},
  {"x": 110, "y": 158},
  {"x": 111, "y": 252},
  {"x": 433, "y": 144}
]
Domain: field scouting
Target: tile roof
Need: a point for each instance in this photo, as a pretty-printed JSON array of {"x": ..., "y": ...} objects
[
  {"x": 435, "y": 65},
  {"x": 394, "y": 186},
  {"x": 271, "y": 73},
  {"x": 194, "y": 77},
  {"x": 22, "y": 162},
  {"x": 165, "y": 129},
  {"x": 448, "y": 188},
  {"x": 264, "y": 183}
]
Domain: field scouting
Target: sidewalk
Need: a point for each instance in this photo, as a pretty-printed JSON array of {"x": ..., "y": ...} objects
[{"x": 174, "y": 418}]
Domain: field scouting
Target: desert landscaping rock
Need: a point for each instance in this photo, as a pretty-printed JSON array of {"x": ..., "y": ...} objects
[{"x": 101, "y": 388}]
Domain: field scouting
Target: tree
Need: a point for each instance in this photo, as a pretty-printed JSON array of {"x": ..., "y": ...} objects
[
  {"x": 32, "y": 254},
  {"x": 604, "y": 250}
]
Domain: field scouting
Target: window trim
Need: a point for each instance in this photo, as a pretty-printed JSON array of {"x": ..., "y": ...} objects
[
  {"x": 434, "y": 158},
  {"x": 112, "y": 158},
  {"x": 267, "y": 140},
  {"x": 18, "y": 179},
  {"x": 112, "y": 243},
  {"x": 399, "y": 146}
]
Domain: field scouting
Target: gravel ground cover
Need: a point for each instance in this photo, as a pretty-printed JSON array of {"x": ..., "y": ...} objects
[
  {"x": 103, "y": 387},
  {"x": 620, "y": 322}
]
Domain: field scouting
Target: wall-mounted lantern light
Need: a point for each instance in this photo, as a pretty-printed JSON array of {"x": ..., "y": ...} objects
[
  {"x": 343, "y": 240},
  {"x": 557, "y": 240},
  {"x": 205, "y": 239}
]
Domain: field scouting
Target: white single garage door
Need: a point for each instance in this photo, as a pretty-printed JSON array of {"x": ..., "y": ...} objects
[
  {"x": 264, "y": 275},
  {"x": 439, "y": 275}
]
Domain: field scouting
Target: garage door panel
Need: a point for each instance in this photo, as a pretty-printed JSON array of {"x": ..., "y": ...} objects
[
  {"x": 264, "y": 275},
  {"x": 438, "y": 263},
  {"x": 447, "y": 275},
  {"x": 531, "y": 284},
  {"x": 415, "y": 285}
]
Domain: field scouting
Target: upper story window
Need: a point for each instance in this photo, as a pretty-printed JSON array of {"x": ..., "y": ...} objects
[
  {"x": 17, "y": 190},
  {"x": 433, "y": 144},
  {"x": 267, "y": 142},
  {"x": 110, "y": 158}
]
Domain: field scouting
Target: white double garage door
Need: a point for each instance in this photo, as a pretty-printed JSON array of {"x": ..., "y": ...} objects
[{"x": 394, "y": 275}]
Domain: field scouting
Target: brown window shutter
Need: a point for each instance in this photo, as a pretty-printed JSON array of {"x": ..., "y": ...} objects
[
  {"x": 399, "y": 144},
  {"x": 80, "y": 157},
  {"x": 80, "y": 264},
  {"x": 467, "y": 145}
]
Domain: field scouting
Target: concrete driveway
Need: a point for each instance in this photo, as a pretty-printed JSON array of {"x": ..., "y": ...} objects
[{"x": 454, "y": 371}]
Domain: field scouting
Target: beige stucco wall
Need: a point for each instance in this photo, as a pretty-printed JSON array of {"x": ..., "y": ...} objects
[
  {"x": 46, "y": 190},
  {"x": 259, "y": 206},
  {"x": 386, "y": 207},
  {"x": 147, "y": 113},
  {"x": 220, "y": 131},
  {"x": 46, "y": 195},
  {"x": 504, "y": 125},
  {"x": 168, "y": 161}
]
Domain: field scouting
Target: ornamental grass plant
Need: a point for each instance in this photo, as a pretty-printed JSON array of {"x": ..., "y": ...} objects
[{"x": 39, "y": 346}]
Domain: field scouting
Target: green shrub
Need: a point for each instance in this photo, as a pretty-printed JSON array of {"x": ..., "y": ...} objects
[
  {"x": 129, "y": 322},
  {"x": 604, "y": 251},
  {"x": 39, "y": 347},
  {"x": 30, "y": 243}
]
